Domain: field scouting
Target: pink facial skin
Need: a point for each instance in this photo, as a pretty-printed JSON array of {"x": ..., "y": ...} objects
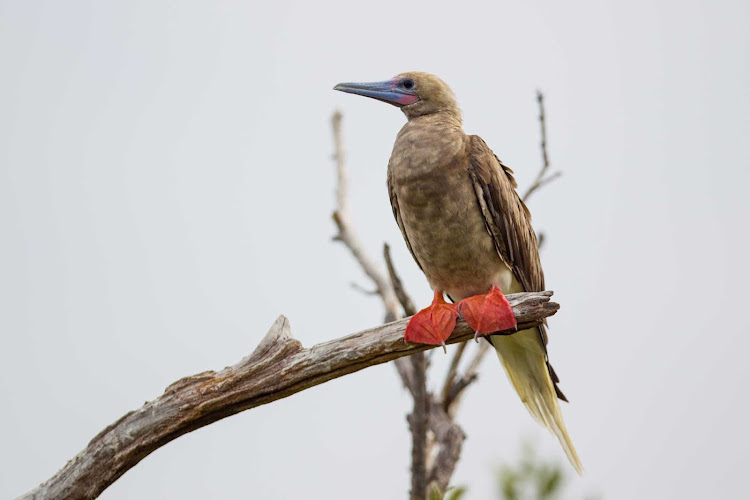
[{"x": 404, "y": 99}]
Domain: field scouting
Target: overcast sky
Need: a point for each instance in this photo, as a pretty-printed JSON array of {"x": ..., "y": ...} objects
[{"x": 166, "y": 187}]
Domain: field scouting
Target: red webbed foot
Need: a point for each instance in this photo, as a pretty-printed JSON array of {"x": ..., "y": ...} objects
[
  {"x": 434, "y": 324},
  {"x": 488, "y": 313}
]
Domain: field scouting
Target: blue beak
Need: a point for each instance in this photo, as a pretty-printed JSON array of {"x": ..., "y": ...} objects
[{"x": 388, "y": 91}]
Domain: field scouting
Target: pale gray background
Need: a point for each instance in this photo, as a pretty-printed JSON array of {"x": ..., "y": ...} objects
[{"x": 166, "y": 189}]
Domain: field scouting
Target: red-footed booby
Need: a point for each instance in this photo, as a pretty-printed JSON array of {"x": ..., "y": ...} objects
[{"x": 466, "y": 227}]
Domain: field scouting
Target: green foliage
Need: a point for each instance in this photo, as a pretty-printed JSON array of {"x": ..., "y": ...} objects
[
  {"x": 531, "y": 478},
  {"x": 453, "y": 493}
]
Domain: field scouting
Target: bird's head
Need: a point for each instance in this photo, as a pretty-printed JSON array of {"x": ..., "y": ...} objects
[{"x": 415, "y": 92}]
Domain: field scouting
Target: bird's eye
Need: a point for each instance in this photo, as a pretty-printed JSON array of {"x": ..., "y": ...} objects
[{"x": 408, "y": 84}]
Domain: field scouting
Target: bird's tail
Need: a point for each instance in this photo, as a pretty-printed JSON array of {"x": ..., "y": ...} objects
[{"x": 524, "y": 359}]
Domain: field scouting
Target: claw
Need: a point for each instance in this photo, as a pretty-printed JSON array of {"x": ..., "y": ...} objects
[
  {"x": 434, "y": 324},
  {"x": 488, "y": 313}
]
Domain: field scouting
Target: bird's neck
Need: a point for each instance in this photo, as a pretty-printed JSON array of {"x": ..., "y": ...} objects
[
  {"x": 427, "y": 130},
  {"x": 426, "y": 144},
  {"x": 447, "y": 118}
]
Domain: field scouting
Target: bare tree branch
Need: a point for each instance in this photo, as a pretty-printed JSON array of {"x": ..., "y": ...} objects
[
  {"x": 364, "y": 291},
  {"x": 279, "y": 367},
  {"x": 540, "y": 239},
  {"x": 398, "y": 287},
  {"x": 418, "y": 421},
  {"x": 451, "y": 438},
  {"x": 450, "y": 377},
  {"x": 540, "y": 179},
  {"x": 413, "y": 374},
  {"x": 450, "y": 403},
  {"x": 343, "y": 218}
]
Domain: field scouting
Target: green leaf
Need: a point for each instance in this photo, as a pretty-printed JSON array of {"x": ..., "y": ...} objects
[
  {"x": 509, "y": 484},
  {"x": 550, "y": 482},
  {"x": 455, "y": 493},
  {"x": 434, "y": 493}
]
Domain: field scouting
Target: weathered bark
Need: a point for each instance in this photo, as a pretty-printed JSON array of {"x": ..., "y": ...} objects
[
  {"x": 277, "y": 368},
  {"x": 451, "y": 439},
  {"x": 418, "y": 422}
]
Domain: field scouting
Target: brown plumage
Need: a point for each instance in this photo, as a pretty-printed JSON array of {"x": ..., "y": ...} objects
[
  {"x": 511, "y": 231},
  {"x": 467, "y": 229}
]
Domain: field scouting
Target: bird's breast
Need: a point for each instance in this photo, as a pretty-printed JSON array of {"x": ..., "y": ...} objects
[{"x": 442, "y": 220}]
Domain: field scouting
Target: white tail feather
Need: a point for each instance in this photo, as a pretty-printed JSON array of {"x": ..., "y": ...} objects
[{"x": 524, "y": 360}]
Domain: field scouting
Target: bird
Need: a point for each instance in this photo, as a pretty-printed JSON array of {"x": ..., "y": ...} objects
[{"x": 470, "y": 233}]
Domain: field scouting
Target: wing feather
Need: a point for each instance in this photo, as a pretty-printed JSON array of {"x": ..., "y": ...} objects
[
  {"x": 508, "y": 221},
  {"x": 397, "y": 216}
]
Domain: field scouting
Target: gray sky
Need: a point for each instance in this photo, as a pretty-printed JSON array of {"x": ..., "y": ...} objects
[{"x": 166, "y": 189}]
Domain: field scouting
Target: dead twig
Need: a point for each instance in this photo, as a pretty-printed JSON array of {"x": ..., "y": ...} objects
[
  {"x": 419, "y": 420},
  {"x": 398, "y": 287},
  {"x": 413, "y": 374},
  {"x": 540, "y": 179},
  {"x": 343, "y": 219},
  {"x": 364, "y": 291},
  {"x": 450, "y": 377},
  {"x": 451, "y": 439}
]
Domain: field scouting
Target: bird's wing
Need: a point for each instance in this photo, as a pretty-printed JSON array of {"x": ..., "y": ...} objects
[
  {"x": 397, "y": 215},
  {"x": 505, "y": 215},
  {"x": 509, "y": 222}
]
